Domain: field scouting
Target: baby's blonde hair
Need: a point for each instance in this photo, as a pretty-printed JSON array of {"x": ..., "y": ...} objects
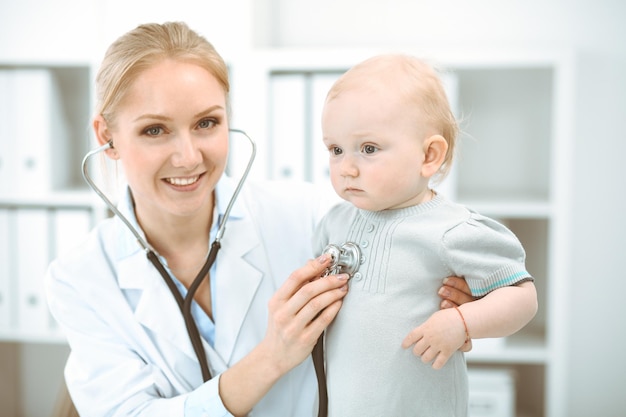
[
  {"x": 144, "y": 47},
  {"x": 415, "y": 80}
]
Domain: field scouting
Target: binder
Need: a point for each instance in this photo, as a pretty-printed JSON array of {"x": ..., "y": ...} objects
[
  {"x": 39, "y": 129},
  {"x": 32, "y": 244},
  {"x": 287, "y": 124},
  {"x": 31, "y": 103},
  {"x": 6, "y": 255},
  {"x": 7, "y": 140}
]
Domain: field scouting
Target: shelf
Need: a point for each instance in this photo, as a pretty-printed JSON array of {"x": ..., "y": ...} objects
[
  {"x": 510, "y": 107},
  {"x": 511, "y": 208},
  {"x": 56, "y": 338},
  {"x": 517, "y": 349},
  {"x": 61, "y": 199}
]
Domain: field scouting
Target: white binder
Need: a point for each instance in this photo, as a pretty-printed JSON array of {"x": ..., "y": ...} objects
[
  {"x": 32, "y": 257},
  {"x": 32, "y": 130},
  {"x": 7, "y": 139},
  {"x": 6, "y": 296},
  {"x": 39, "y": 127},
  {"x": 287, "y": 124}
]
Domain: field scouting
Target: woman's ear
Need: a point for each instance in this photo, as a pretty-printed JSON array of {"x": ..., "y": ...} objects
[
  {"x": 435, "y": 150},
  {"x": 103, "y": 135}
]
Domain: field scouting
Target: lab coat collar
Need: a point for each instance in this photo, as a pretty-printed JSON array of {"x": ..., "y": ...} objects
[
  {"x": 128, "y": 244},
  {"x": 237, "y": 280}
]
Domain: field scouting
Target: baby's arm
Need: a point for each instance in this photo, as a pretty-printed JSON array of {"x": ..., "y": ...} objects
[{"x": 500, "y": 313}]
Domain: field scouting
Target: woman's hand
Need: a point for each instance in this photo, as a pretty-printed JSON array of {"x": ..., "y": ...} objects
[
  {"x": 301, "y": 309},
  {"x": 453, "y": 293},
  {"x": 299, "y": 312}
]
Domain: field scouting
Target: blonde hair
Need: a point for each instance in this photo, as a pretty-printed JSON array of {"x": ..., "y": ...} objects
[
  {"x": 418, "y": 82},
  {"x": 145, "y": 46}
]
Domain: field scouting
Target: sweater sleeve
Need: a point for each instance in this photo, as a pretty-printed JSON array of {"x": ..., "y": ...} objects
[{"x": 486, "y": 253}]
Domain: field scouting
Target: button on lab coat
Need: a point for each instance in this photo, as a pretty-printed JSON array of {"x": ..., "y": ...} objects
[{"x": 130, "y": 352}]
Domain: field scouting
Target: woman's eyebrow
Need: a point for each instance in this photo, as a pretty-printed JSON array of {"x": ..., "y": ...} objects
[{"x": 166, "y": 118}]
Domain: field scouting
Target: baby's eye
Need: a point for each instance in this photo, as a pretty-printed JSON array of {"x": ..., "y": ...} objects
[
  {"x": 206, "y": 123},
  {"x": 336, "y": 151},
  {"x": 369, "y": 148}
]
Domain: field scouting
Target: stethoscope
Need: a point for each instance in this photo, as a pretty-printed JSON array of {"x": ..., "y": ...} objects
[
  {"x": 184, "y": 303},
  {"x": 344, "y": 259}
]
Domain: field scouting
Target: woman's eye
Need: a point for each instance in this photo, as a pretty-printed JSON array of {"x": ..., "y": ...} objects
[
  {"x": 369, "y": 148},
  {"x": 153, "y": 131},
  {"x": 206, "y": 123}
]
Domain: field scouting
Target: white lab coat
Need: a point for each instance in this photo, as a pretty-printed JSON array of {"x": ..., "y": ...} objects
[{"x": 130, "y": 352}]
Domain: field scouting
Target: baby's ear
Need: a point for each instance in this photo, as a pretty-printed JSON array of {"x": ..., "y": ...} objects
[{"x": 435, "y": 149}]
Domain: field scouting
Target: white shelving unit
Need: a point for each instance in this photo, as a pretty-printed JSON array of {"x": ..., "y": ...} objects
[
  {"x": 513, "y": 163},
  {"x": 45, "y": 209},
  {"x": 44, "y": 205},
  {"x": 67, "y": 50}
]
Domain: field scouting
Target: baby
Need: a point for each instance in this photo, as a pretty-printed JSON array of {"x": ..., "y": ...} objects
[{"x": 389, "y": 129}]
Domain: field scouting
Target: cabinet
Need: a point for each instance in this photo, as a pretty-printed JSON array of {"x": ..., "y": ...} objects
[
  {"x": 44, "y": 210},
  {"x": 512, "y": 165},
  {"x": 44, "y": 207}
]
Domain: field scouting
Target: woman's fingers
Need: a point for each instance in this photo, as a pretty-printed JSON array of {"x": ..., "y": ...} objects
[
  {"x": 300, "y": 311},
  {"x": 454, "y": 292},
  {"x": 321, "y": 310},
  {"x": 305, "y": 292},
  {"x": 305, "y": 304},
  {"x": 314, "y": 297},
  {"x": 313, "y": 269}
]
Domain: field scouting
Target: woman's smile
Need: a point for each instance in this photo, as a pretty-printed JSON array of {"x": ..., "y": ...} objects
[{"x": 182, "y": 181}]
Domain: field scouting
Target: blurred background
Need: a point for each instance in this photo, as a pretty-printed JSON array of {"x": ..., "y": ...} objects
[{"x": 540, "y": 87}]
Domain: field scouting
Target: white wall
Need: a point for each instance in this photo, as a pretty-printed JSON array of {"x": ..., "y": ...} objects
[{"x": 32, "y": 30}]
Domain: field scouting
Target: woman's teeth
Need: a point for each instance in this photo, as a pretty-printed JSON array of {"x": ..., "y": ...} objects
[{"x": 182, "y": 181}]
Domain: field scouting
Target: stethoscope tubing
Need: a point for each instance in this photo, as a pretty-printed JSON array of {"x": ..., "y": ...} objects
[{"x": 184, "y": 303}]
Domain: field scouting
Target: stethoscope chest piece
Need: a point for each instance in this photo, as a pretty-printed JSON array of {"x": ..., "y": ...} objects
[{"x": 345, "y": 258}]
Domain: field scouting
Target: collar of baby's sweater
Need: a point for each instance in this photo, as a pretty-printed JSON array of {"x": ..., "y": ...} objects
[{"x": 393, "y": 214}]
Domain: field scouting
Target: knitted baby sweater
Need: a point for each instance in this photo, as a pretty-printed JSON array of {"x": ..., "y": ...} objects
[{"x": 406, "y": 254}]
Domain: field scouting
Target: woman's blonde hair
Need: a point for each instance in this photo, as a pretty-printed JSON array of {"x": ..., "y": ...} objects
[
  {"x": 415, "y": 80},
  {"x": 145, "y": 46}
]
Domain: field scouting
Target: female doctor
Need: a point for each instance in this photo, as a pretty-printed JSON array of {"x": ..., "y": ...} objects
[{"x": 162, "y": 102}]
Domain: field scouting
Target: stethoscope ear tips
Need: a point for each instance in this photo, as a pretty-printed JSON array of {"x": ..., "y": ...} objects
[
  {"x": 345, "y": 259},
  {"x": 110, "y": 143}
]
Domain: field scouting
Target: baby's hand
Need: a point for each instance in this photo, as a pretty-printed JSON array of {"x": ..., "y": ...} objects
[{"x": 438, "y": 338}]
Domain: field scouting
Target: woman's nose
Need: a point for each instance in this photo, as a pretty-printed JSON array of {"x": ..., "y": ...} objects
[{"x": 187, "y": 153}]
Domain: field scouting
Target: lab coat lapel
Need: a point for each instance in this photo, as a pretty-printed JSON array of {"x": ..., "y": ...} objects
[
  {"x": 156, "y": 308},
  {"x": 154, "y": 305},
  {"x": 237, "y": 280},
  {"x": 238, "y": 277}
]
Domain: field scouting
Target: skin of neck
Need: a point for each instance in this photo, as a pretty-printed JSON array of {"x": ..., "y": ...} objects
[{"x": 171, "y": 234}]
